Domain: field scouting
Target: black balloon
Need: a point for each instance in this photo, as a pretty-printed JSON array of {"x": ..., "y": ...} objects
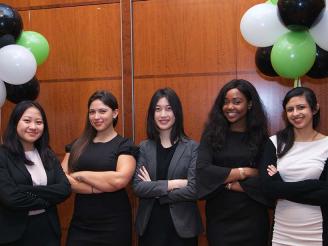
[
  {"x": 10, "y": 21},
  {"x": 300, "y": 14},
  {"x": 26, "y": 91},
  {"x": 320, "y": 67},
  {"x": 6, "y": 39},
  {"x": 263, "y": 61}
]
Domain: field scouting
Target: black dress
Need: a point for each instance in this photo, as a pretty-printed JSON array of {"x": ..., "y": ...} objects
[
  {"x": 232, "y": 218},
  {"x": 105, "y": 218}
]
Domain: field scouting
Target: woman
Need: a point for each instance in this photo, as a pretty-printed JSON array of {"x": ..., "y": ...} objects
[
  {"x": 227, "y": 168},
  {"x": 165, "y": 177},
  {"x": 32, "y": 182},
  {"x": 99, "y": 167},
  {"x": 295, "y": 173}
]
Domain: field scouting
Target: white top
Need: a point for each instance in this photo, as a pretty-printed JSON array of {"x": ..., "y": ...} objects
[
  {"x": 300, "y": 224},
  {"x": 37, "y": 172}
]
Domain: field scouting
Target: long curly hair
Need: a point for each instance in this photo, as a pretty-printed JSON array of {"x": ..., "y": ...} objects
[{"x": 217, "y": 125}]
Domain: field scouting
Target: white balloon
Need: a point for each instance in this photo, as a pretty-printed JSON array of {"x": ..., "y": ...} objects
[
  {"x": 3, "y": 93},
  {"x": 17, "y": 64},
  {"x": 261, "y": 26},
  {"x": 319, "y": 31}
]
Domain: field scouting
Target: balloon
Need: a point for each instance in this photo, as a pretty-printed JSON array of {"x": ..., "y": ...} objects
[
  {"x": 293, "y": 54},
  {"x": 273, "y": 2},
  {"x": 36, "y": 43},
  {"x": 263, "y": 62},
  {"x": 260, "y": 25},
  {"x": 27, "y": 91},
  {"x": 7, "y": 39},
  {"x": 10, "y": 21},
  {"x": 300, "y": 14},
  {"x": 319, "y": 31},
  {"x": 320, "y": 67},
  {"x": 3, "y": 93},
  {"x": 17, "y": 64}
]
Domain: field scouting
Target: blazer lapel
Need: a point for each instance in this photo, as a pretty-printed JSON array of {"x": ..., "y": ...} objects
[
  {"x": 152, "y": 162},
  {"x": 22, "y": 168},
  {"x": 176, "y": 157}
]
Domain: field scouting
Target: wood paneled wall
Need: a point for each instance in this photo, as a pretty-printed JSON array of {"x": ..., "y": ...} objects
[{"x": 135, "y": 47}]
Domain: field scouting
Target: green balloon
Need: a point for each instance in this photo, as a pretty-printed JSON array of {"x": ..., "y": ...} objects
[
  {"x": 36, "y": 43},
  {"x": 293, "y": 54},
  {"x": 274, "y": 2}
]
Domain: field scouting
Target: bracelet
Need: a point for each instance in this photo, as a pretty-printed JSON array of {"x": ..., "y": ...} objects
[
  {"x": 228, "y": 186},
  {"x": 241, "y": 173}
]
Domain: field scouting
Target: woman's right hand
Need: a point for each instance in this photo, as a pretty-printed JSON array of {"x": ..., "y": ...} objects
[
  {"x": 241, "y": 173},
  {"x": 176, "y": 184},
  {"x": 272, "y": 170}
]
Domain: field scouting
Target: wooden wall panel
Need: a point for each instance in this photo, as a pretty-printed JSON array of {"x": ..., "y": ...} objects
[
  {"x": 186, "y": 36},
  {"x": 38, "y": 4},
  {"x": 84, "y": 41},
  {"x": 26, "y": 19},
  {"x": 54, "y": 3},
  {"x": 127, "y": 68},
  {"x": 320, "y": 86},
  {"x": 16, "y": 3}
]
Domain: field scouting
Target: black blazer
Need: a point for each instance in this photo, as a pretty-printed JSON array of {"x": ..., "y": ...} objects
[
  {"x": 18, "y": 195},
  {"x": 183, "y": 206}
]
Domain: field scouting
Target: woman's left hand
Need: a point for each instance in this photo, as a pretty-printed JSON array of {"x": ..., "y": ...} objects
[
  {"x": 143, "y": 174},
  {"x": 272, "y": 170}
]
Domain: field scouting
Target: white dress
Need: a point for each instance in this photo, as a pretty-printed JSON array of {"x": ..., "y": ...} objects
[{"x": 297, "y": 224}]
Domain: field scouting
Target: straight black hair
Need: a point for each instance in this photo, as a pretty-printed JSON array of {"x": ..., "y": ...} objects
[
  {"x": 217, "y": 125},
  {"x": 89, "y": 132},
  {"x": 286, "y": 137},
  {"x": 177, "y": 131},
  {"x": 11, "y": 140}
]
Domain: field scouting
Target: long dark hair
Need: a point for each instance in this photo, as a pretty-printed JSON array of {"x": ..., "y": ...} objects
[
  {"x": 177, "y": 131},
  {"x": 89, "y": 132},
  {"x": 286, "y": 137},
  {"x": 11, "y": 140},
  {"x": 217, "y": 125}
]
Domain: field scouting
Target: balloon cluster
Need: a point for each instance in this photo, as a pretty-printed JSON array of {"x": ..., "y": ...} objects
[
  {"x": 20, "y": 54},
  {"x": 291, "y": 36}
]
